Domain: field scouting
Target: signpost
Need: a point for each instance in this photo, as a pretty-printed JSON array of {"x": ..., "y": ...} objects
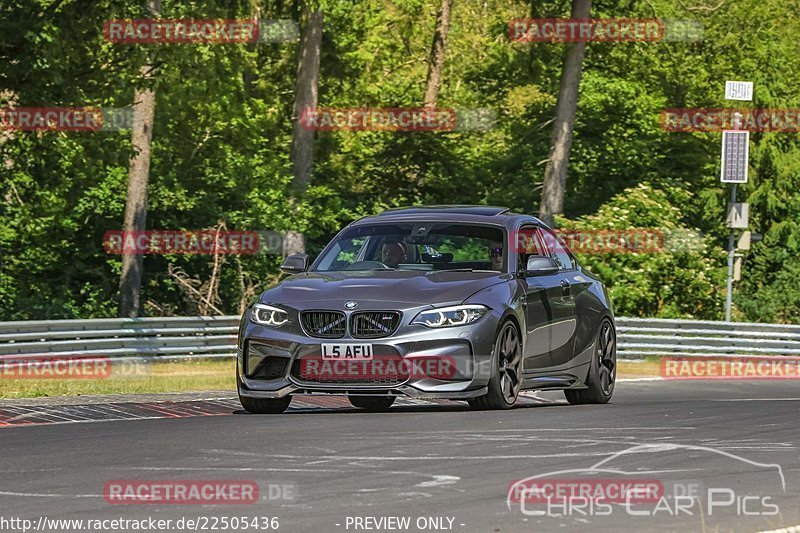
[{"x": 735, "y": 155}]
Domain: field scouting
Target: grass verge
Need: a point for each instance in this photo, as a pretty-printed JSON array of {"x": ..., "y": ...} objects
[
  {"x": 649, "y": 368},
  {"x": 178, "y": 376}
]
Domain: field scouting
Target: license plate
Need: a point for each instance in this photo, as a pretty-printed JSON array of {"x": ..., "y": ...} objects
[{"x": 348, "y": 352}]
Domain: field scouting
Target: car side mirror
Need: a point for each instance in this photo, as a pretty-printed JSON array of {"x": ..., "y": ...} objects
[
  {"x": 540, "y": 266},
  {"x": 295, "y": 263}
]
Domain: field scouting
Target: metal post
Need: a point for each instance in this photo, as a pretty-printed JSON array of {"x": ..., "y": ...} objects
[
  {"x": 735, "y": 90},
  {"x": 731, "y": 252}
]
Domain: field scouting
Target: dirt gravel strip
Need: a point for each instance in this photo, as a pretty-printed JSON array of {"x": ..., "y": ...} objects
[{"x": 116, "y": 407}]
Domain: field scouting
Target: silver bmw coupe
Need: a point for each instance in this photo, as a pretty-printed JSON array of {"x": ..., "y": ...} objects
[{"x": 469, "y": 303}]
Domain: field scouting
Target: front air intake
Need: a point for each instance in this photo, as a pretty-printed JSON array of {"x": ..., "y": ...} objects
[
  {"x": 324, "y": 324},
  {"x": 373, "y": 324}
]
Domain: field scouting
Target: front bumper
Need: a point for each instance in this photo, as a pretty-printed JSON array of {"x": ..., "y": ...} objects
[
  {"x": 403, "y": 390},
  {"x": 269, "y": 361}
]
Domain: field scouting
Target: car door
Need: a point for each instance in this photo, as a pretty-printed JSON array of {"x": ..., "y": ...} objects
[
  {"x": 561, "y": 298},
  {"x": 540, "y": 312}
]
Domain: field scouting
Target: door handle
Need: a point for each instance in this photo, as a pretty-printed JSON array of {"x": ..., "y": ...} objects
[{"x": 565, "y": 287}]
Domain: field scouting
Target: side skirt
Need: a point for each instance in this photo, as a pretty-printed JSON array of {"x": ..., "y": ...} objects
[{"x": 555, "y": 381}]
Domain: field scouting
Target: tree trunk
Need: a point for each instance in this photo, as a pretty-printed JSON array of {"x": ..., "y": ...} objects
[
  {"x": 144, "y": 104},
  {"x": 436, "y": 60},
  {"x": 249, "y": 77},
  {"x": 555, "y": 174},
  {"x": 305, "y": 97}
]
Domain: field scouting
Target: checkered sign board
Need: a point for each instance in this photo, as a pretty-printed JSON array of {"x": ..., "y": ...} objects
[{"x": 735, "y": 152}]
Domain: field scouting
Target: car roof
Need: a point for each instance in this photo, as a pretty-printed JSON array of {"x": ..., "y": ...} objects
[
  {"x": 449, "y": 213},
  {"x": 487, "y": 210}
]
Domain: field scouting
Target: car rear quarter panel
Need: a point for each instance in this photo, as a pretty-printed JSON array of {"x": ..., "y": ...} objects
[{"x": 591, "y": 306}]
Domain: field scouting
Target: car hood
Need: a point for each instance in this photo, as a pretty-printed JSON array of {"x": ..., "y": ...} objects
[{"x": 412, "y": 287}]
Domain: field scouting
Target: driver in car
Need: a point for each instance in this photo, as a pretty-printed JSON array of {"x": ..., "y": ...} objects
[{"x": 393, "y": 253}]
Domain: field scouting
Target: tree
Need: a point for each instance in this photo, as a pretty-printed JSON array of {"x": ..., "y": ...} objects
[
  {"x": 144, "y": 105},
  {"x": 306, "y": 97},
  {"x": 223, "y": 152},
  {"x": 438, "y": 48},
  {"x": 555, "y": 174}
]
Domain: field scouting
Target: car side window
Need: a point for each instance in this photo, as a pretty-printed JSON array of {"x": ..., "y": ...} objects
[
  {"x": 557, "y": 249},
  {"x": 528, "y": 244}
]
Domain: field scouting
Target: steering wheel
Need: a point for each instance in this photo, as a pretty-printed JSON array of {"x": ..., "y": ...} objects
[{"x": 365, "y": 265}]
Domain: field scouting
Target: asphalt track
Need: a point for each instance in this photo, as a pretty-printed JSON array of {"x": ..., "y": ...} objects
[{"x": 739, "y": 439}]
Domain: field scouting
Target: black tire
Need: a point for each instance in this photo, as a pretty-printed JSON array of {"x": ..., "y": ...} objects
[
  {"x": 602, "y": 369},
  {"x": 265, "y": 406},
  {"x": 374, "y": 404},
  {"x": 506, "y": 379}
]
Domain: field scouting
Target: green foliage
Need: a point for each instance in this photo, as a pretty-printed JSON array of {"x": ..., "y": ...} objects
[
  {"x": 223, "y": 132},
  {"x": 676, "y": 280}
]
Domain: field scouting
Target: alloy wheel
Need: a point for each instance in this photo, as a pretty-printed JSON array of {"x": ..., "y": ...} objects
[{"x": 510, "y": 362}]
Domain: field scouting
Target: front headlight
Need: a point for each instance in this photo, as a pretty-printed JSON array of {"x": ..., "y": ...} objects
[
  {"x": 457, "y": 315},
  {"x": 266, "y": 315}
]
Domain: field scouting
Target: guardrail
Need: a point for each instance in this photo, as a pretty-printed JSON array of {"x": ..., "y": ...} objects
[
  {"x": 208, "y": 337},
  {"x": 204, "y": 337},
  {"x": 641, "y": 337}
]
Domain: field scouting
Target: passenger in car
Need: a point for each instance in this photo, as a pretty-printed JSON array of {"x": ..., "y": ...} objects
[{"x": 496, "y": 255}]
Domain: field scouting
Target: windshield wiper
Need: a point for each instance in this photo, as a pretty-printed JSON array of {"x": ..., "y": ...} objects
[{"x": 464, "y": 270}]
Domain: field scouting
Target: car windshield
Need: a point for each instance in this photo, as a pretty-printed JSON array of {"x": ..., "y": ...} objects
[{"x": 416, "y": 246}]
